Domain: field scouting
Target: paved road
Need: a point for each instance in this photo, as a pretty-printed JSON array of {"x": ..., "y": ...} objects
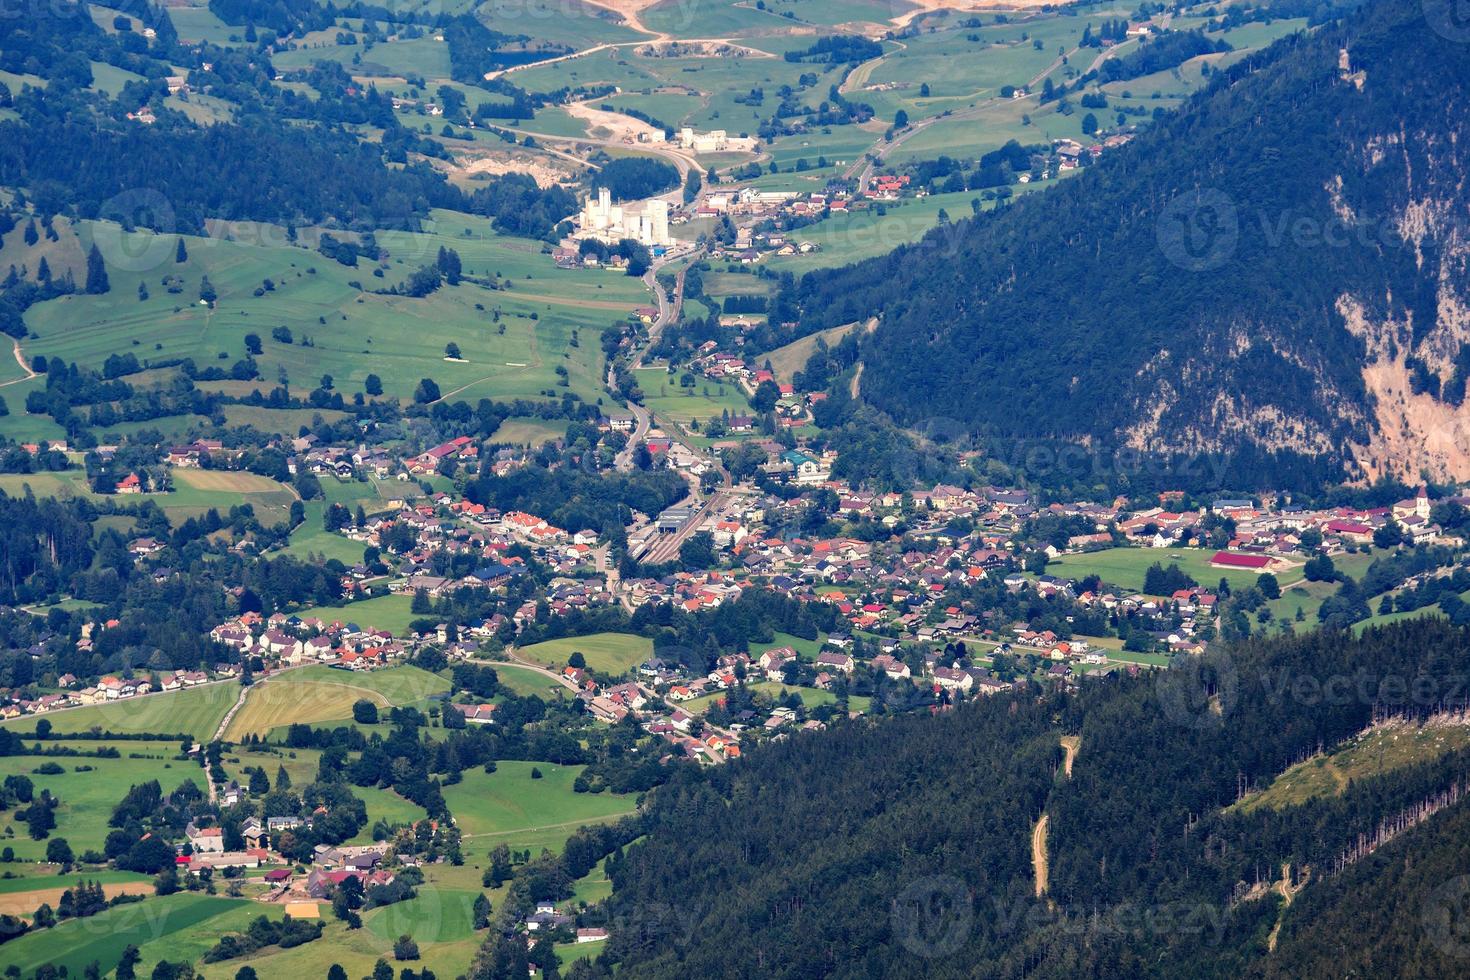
[{"x": 668, "y": 312}]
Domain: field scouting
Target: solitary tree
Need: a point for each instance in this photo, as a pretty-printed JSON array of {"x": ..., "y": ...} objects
[
  {"x": 58, "y": 851},
  {"x": 405, "y": 948},
  {"x": 97, "y": 282}
]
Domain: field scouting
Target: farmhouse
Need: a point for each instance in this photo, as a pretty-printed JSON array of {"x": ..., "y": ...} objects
[{"x": 1244, "y": 562}]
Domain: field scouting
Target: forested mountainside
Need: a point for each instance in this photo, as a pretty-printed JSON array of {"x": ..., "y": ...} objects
[
  {"x": 904, "y": 848},
  {"x": 1280, "y": 266},
  {"x": 279, "y": 157}
]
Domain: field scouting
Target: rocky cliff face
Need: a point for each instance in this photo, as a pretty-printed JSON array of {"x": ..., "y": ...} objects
[{"x": 1279, "y": 268}]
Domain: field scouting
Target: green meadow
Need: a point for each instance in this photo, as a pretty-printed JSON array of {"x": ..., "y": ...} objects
[
  {"x": 606, "y": 653},
  {"x": 513, "y": 337},
  {"x": 180, "y": 926},
  {"x": 509, "y": 801},
  {"x": 301, "y": 766},
  {"x": 89, "y": 788},
  {"x": 386, "y": 612},
  {"x": 1125, "y": 567},
  {"x": 195, "y": 711},
  {"x": 524, "y": 682}
]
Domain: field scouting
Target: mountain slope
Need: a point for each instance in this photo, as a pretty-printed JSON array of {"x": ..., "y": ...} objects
[
  {"x": 1281, "y": 266},
  {"x": 901, "y": 847}
]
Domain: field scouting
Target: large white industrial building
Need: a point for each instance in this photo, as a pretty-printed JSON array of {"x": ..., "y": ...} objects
[{"x": 646, "y": 223}]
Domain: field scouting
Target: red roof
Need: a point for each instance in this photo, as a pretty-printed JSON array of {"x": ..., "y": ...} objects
[
  {"x": 1348, "y": 527},
  {"x": 1234, "y": 560}
]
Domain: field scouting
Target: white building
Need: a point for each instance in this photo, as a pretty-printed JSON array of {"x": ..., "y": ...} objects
[
  {"x": 646, "y": 223},
  {"x": 715, "y": 141}
]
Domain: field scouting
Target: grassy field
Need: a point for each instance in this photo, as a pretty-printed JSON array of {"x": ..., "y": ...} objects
[
  {"x": 529, "y": 432},
  {"x": 513, "y": 337},
  {"x": 523, "y": 682},
  {"x": 387, "y": 612},
  {"x": 509, "y": 802},
  {"x": 87, "y": 797},
  {"x": 848, "y": 238},
  {"x": 805, "y": 649},
  {"x": 31, "y": 877},
  {"x": 787, "y": 360},
  {"x": 1125, "y": 567},
  {"x": 311, "y": 540},
  {"x": 180, "y": 926},
  {"x": 606, "y": 653},
  {"x": 440, "y": 918},
  {"x": 705, "y": 400},
  {"x": 1367, "y": 755},
  {"x": 811, "y": 696},
  {"x": 318, "y": 694},
  {"x": 196, "y": 711},
  {"x": 194, "y": 492},
  {"x": 569, "y": 953},
  {"x": 24, "y": 903}
]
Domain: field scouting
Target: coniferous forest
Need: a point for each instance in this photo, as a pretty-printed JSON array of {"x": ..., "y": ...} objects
[
  {"x": 902, "y": 847},
  {"x": 1253, "y": 225}
]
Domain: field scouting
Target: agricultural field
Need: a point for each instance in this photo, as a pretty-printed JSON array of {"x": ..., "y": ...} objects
[
  {"x": 848, "y": 238},
  {"x": 301, "y": 766},
  {"x": 21, "y": 895},
  {"x": 805, "y": 649},
  {"x": 196, "y": 711},
  {"x": 89, "y": 788},
  {"x": 810, "y": 696},
  {"x": 607, "y": 653},
  {"x": 311, "y": 695},
  {"x": 529, "y": 432},
  {"x": 24, "y": 903},
  {"x": 509, "y": 802},
  {"x": 311, "y": 540}
]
